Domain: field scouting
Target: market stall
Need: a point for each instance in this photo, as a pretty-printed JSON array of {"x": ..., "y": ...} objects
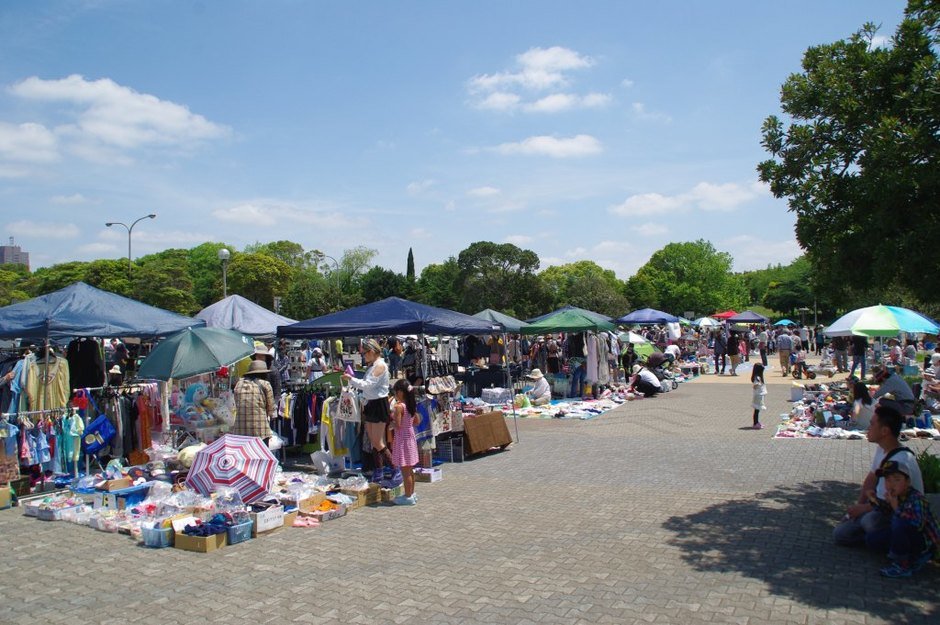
[{"x": 243, "y": 315}]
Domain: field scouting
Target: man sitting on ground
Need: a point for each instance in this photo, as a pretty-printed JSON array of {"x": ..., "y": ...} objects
[
  {"x": 891, "y": 382},
  {"x": 868, "y": 521}
]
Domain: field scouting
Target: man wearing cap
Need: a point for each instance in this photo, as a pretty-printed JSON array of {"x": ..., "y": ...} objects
[
  {"x": 891, "y": 383},
  {"x": 541, "y": 393},
  {"x": 868, "y": 520},
  {"x": 915, "y": 533},
  {"x": 254, "y": 402}
]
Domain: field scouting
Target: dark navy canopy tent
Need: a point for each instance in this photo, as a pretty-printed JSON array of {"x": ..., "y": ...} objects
[
  {"x": 392, "y": 315},
  {"x": 748, "y": 316},
  {"x": 81, "y": 310},
  {"x": 589, "y": 313},
  {"x": 237, "y": 313},
  {"x": 647, "y": 316}
]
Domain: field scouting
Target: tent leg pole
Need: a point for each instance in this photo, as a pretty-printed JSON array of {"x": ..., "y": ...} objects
[{"x": 515, "y": 417}]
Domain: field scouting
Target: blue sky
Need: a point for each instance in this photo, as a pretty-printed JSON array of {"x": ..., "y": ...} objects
[{"x": 589, "y": 130}]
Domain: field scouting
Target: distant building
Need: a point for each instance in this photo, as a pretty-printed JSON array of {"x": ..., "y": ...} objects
[{"x": 12, "y": 255}]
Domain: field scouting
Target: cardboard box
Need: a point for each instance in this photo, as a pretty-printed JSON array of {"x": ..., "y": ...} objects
[
  {"x": 485, "y": 431},
  {"x": 328, "y": 515},
  {"x": 110, "y": 485},
  {"x": 200, "y": 544},
  {"x": 6, "y": 497},
  {"x": 357, "y": 501},
  {"x": 429, "y": 475},
  {"x": 267, "y": 520},
  {"x": 369, "y": 496},
  {"x": 303, "y": 505},
  {"x": 290, "y": 517},
  {"x": 390, "y": 493}
]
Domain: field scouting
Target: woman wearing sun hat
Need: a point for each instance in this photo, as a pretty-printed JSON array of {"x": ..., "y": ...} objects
[
  {"x": 375, "y": 413},
  {"x": 541, "y": 393}
]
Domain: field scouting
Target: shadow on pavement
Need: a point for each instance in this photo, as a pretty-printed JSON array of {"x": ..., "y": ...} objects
[{"x": 782, "y": 537}]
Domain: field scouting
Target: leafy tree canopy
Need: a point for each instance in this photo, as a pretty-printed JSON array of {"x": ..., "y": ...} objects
[
  {"x": 858, "y": 158},
  {"x": 500, "y": 276},
  {"x": 587, "y": 285}
]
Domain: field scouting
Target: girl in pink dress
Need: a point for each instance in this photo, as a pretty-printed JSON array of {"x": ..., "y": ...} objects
[{"x": 405, "y": 447}]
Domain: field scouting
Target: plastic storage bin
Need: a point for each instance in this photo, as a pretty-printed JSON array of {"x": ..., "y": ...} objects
[
  {"x": 239, "y": 533},
  {"x": 157, "y": 538}
]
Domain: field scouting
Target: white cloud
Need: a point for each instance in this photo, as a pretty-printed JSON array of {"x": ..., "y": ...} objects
[
  {"x": 650, "y": 229},
  {"x": 420, "y": 233},
  {"x": 558, "y": 102},
  {"x": 539, "y": 68},
  {"x": 752, "y": 252},
  {"x": 499, "y": 101},
  {"x": 268, "y": 213},
  {"x": 880, "y": 41},
  {"x": 28, "y": 143},
  {"x": 703, "y": 196},
  {"x": 639, "y": 110},
  {"x": 75, "y": 198},
  {"x": 47, "y": 230},
  {"x": 419, "y": 187},
  {"x": 108, "y": 116},
  {"x": 626, "y": 83},
  {"x": 483, "y": 192},
  {"x": 518, "y": 239},
  {"x": 573, "y": 147}
]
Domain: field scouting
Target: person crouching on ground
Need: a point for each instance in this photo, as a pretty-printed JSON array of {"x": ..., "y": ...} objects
[
  {"x": 868, "y": 520},
  {"x": 915, "y": 534},
  {"x": 645, "y": 381},
  {"x": 541, "y": 393},
  {"x": 374, "y": 388}
]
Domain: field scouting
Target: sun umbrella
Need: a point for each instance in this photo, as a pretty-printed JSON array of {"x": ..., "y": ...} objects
[
  {"x": 724, "y": 315},
  {"x": 242, "y": 462},
  {"x": 706, "y": 322},
  {"x": 882, "y": 321},
  {"x": 785, "y": 322},
  {"x": 194, "y": 351}
]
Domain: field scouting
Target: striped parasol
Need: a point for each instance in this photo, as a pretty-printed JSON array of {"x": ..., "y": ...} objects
[{"x": 242, "y": 462}]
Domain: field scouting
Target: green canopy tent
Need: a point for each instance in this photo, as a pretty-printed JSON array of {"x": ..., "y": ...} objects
[
  {"x": 510, "y": 324},
  {"x": 568, "y": 321}
]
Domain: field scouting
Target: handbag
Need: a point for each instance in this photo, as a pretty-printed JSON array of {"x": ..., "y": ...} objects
[
  {"x": 98, "y": 433},
  {"x": 348, "y": 407}
]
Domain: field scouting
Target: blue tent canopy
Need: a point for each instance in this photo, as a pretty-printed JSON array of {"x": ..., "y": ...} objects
[
  {"x": 392, "y": 315},
  {"x": 648, "y": 316},
  {"x": 785, "y": 322},
  {"x": 237, "y": 313},
  {"x": 82, "y": 310},
  {"x": 583, "y": 311},
  {"x": 748, "y": 316}
]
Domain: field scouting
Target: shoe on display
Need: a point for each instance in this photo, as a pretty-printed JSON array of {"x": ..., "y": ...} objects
[{"x": 896, "y": 570}]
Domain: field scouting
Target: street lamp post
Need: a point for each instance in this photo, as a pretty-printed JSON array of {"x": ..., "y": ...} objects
[
  {"x": 130, "y": 229},
  {"x": 224, "y": 255},
  {"x": 321, "y": 255}
]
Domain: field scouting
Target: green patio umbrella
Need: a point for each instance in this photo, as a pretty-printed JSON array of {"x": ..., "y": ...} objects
[
  {"x": 641, "y": 345},
  {"x": 194, "y": 351},
  {"x": 568, "y": 321}
]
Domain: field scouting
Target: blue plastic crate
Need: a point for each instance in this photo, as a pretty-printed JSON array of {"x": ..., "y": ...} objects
[
  {"x": 157, "y": 538},
  {"x": 239, "y": 533}
]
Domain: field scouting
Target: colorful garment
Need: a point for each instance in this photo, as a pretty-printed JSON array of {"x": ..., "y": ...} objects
[
  {"x": 405, "y": 446},
  {"x": 254, "y": 404},
  {"x": 915, "y": 511}
]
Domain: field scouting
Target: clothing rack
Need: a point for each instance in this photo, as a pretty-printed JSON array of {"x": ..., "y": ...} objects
[{"x": 26, "y": 413}]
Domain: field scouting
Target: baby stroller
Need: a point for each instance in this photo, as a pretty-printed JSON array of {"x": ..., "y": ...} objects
[{"x": 800, "y": 369}]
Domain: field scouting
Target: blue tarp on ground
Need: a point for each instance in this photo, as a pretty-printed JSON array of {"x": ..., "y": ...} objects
[
  {"x": 392, "y": 315},
  {"x": 237, "y": 313},
  {"x": 82, "y": 310},
  {"x": 649, "y": 316}
]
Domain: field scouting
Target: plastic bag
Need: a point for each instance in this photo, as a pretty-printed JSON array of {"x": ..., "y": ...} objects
[{"x": 229, "y": 501}]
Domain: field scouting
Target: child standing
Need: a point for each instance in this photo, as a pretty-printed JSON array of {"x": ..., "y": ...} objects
[
  {"x": 915, "y": 534},
  {"x": 760, "y": 392},
  {"x": 405, "y": 447}
]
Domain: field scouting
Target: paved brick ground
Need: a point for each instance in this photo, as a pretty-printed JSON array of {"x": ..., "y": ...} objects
[{"x": 663, "y": 511}]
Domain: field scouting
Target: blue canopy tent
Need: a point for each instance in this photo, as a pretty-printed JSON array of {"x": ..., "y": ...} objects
[
  {"x": 510, "y": 324},
  {"x": 81, "y": 310},
  {"x": 583, "y": 311},
  {"x": 748, "y": 316},
  {"x": 647, "y": 316},
  {"x": 392, "y": 315},
  {"x": 243, "y": 315},
  {"x": 785, "y": 322}
]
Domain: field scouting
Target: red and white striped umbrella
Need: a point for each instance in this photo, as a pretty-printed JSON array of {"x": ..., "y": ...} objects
[{"x": 242, "y": 462}]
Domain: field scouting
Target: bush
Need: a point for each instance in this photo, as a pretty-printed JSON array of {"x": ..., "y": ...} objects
[{"x": 930, "y": 470}]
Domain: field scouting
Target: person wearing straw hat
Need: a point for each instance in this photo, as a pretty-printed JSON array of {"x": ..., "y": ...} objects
[
  {"x": 254, "y": 402},
  {"x": 541, "y": 393},
  {"x": 374, "y": 388},
  {"x": 115, "y": 377}
]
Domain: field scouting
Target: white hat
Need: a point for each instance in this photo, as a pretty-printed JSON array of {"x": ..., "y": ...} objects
[
  {"x": 535, "y": 374},
  {"x": 934, "y": 359},
  {"x": 116, "y": 369},
  {"x": 636, "y": 369}
]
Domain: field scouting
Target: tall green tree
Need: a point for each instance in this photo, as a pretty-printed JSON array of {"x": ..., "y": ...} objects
[
  {"x": 290, "y": 253},
  {"x": 13, "y": 284},
  {"x": 438, "y": 285},
  {"x": 205, "y": 269},
  {"x": 258, "y": 277},
  {"x": 500, "y": 276},
  {"x": 691, "y": 276},
  {"x": 54, "y": 277},
  {"x": 410, "y": 270},
  {"x": 859, "y": 159},
  {"x": 587, "y": 285},
  {"x": 379, "y": 283},
  {"x": 163, "y": 280}
]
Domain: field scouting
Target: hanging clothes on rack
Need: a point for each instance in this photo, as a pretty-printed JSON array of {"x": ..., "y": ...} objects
[
  {"x": 86, "y": 363},
  {"x": 47, "y": 386}
]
